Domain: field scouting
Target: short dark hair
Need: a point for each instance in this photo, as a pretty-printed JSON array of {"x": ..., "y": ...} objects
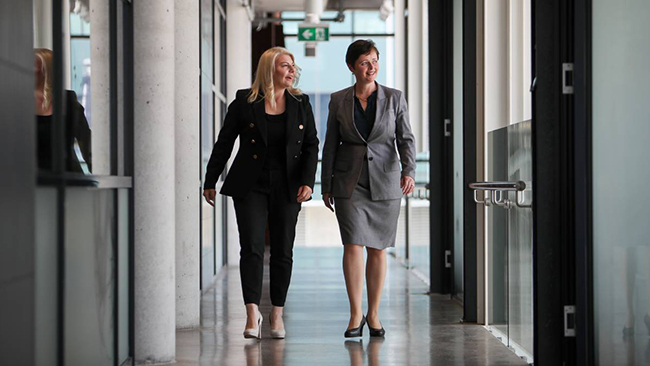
[{"x": 358, "y": 48}]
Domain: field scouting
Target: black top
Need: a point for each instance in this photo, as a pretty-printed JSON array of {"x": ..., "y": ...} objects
[
  {"x": 364, "y": 120},
  {"x": 44, "y": 142},
  {"x": 275, "y": 141},
  {"x": 247, "y": 121},
  {"x": 76, "y": 130}
]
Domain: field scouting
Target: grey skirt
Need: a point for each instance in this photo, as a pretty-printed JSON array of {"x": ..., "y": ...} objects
[{"x": 366, "y": 222}]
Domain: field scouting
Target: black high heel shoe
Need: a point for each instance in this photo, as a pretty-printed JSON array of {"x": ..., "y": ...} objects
[
  {"x": 377, "y": 332},
  {"x": 356, "y": 332}
]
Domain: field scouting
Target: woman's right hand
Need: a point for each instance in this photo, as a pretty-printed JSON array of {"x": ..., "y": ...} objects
[
  {"x": 329, "y": 201},
  {"x": 210, "y": 195}
]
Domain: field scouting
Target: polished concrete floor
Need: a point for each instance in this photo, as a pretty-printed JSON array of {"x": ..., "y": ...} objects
[{"x": 420, "y": 329}]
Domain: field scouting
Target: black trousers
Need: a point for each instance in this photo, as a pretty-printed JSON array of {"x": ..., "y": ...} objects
[{"x": 267, "y": 200}]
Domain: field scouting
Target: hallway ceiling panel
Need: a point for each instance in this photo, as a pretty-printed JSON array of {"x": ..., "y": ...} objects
[
  {"x": 270, "y": 6},
  {"x": 355, "y": 4}
]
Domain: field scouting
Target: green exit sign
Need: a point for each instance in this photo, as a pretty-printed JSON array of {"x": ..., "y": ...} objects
[{"x": 313, "y": 32}]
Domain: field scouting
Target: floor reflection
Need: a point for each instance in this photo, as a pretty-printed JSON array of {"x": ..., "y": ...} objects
[
  {"x": 421, "y": 329},
  {"x": 622, "y": 304},
  {"x": 371, "y": 352},
  {"x": 273, "y": 353}
]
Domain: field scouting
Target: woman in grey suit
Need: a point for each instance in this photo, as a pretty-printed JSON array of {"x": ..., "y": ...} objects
[{"x": 361, "y": 177}]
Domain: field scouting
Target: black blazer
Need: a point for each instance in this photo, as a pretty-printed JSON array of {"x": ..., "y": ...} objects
[{"x": 247, "y": 120}]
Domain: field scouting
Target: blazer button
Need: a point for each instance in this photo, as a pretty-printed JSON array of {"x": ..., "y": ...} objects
[
  {"x": 370, "y": 158},
  {"x": 298, "y": 142},
  {"x": 255, "y": 157},
  {"x": 295, "y": 157},
  {"x": 301, "y": 127},
  {"x": 252, "y": 141},
  {"x": 251, "y": 125}
]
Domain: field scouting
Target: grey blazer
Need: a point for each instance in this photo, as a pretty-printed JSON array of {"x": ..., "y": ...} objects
[{"x": 345, "y": 149}]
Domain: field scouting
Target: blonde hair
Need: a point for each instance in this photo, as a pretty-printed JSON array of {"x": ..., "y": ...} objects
[
  {"x": 263, "y": 84},
  {"x": 47, "y": 69}
]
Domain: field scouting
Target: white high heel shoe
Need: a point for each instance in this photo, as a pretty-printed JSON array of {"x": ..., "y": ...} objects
[
  {"x": 277, "y": 334},
  {"x": 255, "y": 332}
]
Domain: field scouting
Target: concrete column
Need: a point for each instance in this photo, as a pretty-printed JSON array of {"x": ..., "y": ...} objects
[
  {"x": 188, "y": 190},
  {"x": 155, "y": 230},
  {"x": 67, "y": 63},
  {"x": 100, "y": 81},
  {"x": 239, "y": 76}
]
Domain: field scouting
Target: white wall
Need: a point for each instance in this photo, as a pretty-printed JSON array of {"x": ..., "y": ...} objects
[
  {"x": 42, "y": 16},
  {"x": 496, "y": 64},
  {"x": 400, "y": 45},
  {"x": 417, "y": 73},
  {"x": 238, "y": 71}
]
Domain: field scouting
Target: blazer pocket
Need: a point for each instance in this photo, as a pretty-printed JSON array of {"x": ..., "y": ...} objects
[
  {"x": 391, "y": 166},
  {"x": 341, "y": 165},
  {"x": 388, "y": 114}
]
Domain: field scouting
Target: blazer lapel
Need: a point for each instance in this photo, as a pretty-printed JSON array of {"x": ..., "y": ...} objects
[
  {"x": 348, "y": 105},
  {"x": 379, "y": 113},
  {"x": 291, "y": 107},
  {"x": 260, "y": 117}
]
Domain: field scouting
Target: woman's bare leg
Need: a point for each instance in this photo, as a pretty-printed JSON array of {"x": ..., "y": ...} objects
[
  {"x": 375, "y": 275},
  {"x": 252, "y": 311},
  {"x": 353, "y": 272}
]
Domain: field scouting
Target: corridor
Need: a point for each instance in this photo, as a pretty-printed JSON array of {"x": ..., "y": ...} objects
[{"x": 420, "y": 329}]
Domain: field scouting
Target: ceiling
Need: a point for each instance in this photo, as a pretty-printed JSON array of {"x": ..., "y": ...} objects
[{"x": 271, "y": 6}]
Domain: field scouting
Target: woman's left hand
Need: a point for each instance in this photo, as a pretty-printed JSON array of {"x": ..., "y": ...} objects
[
  {"x": 304, "y": 192},
  {"x": 408, "y": 184}
]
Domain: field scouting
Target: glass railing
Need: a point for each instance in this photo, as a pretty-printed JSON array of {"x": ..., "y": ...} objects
[{"x": 507, "y": 196}]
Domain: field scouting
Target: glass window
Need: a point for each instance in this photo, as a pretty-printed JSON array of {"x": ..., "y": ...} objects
[
  {"x": 368, "y": 22},
  {"x": 620, "y": 130}
]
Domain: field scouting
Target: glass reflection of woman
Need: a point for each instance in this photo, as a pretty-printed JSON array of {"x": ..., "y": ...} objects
[{"x": 76, "y": 125}]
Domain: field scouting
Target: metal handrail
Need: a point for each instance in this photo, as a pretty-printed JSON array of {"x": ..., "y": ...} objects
[
  {"x": 498, "y": 186},
  {"x": 497, "y": 194}
]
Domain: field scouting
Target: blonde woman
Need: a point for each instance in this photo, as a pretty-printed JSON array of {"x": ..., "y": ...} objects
[
  {"x": 273, "y": 173},
  {"x": 76, "y": 125}
]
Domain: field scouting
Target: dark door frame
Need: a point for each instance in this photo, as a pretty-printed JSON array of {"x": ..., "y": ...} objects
[
  {"x": 554, "y": 180},
  {"x": 583, "y": 185},
  {"x": 470, "y": 78},
  {"x": 440, "y": 145}
]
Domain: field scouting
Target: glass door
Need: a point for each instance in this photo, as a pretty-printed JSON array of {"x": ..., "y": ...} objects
[
  {"x": 507, "y": 197},
  {"x": 620, "y": 55}
]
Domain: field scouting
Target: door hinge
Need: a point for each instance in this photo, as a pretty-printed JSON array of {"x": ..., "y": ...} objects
[
  {"x": 447, "y": 124},
  {"x": 447, "y": 256},
  {"x": 569, "y": 321},
  {"x": 567, "y": 78},
  {"x": 533, "y": 84}
]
